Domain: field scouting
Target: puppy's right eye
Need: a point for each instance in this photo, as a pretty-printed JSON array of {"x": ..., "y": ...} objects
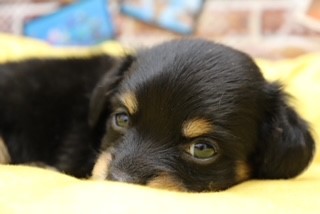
[
  {"x": 202, "y": 149},
  {"x": 121, "y": 120}
]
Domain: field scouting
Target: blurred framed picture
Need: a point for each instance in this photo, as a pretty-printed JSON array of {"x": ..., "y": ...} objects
[
  {"x": 86, "y": 22},
  {"x": 314, "y": 10},
  {"x": 311, "y": 17},
  {"x": 179, "y": 16}
]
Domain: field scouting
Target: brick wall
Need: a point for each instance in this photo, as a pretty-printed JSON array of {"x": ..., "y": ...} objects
[
  {"x": 264, "y": 28},
  {"x": 268, "y": 28}
]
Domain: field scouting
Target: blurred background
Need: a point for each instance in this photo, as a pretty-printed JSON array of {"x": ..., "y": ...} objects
[{"x": 263, "y": 28}]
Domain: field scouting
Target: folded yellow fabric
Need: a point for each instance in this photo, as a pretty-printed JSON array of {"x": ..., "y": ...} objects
[
  {"x": 32, "y": 190},
  {"x": 15, "y": 48}
]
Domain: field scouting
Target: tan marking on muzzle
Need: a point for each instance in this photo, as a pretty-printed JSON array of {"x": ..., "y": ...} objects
[
  {"x": 168, "y": 182},
  {"x": 101, "y": 167},
  {"x": 196, "y": 127},
  {"x": 242, "y": 171},
  {"x": 4, "y": 153},
  {"x": 130, "y": 101}
]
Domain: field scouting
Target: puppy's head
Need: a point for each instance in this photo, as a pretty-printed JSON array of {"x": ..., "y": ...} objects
[{"x": 196, "y": 116}]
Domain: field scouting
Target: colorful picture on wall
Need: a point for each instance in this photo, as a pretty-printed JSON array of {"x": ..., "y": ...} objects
[
  {"x": 312, "y": 16},
  {"x": 175, "y": 15},
  {"x": 86, "y": 22}
]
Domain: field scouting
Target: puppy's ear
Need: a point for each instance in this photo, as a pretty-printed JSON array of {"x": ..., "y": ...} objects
[
  {"x": 286, "y": 146},
  {"x": 99, "y": 102}
]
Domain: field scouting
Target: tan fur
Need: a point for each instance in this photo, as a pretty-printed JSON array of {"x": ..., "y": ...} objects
[
  {"x": 196, "y": 128},
  {"x": 242, "y": 171},
  {"x": 100, "y": 169},
  {"x": 130, "y": 101},
  {"x": 4, "y": 154},
  {"x": 168, "y": 182}
]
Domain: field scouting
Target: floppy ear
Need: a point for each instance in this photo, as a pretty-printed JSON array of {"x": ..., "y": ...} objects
[
  {"x": 100, "y": 98},
  {"x": 286, "y": 146}
]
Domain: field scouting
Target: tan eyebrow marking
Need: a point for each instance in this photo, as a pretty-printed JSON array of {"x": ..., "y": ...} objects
[
  {"x": 130, "y": 101},
  {"x": 196, "y": 127}
]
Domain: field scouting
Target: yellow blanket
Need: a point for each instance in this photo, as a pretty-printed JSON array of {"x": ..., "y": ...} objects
[{"x": 32, "y": 190}]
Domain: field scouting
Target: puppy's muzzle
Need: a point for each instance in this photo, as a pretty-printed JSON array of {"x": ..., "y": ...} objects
[
  {"x": 122, "y": 167},
  {"x": 118, "y": 175},
  {"x": 131, "y": 169}
]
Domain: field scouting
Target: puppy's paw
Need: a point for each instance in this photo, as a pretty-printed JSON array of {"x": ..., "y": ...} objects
[{"x": 4, "y": 154}]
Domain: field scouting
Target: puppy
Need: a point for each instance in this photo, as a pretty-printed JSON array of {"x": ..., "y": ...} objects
[{"x": 188, "y": 115}]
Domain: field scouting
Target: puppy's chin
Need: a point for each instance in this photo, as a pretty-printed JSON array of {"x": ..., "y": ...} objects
[
  {"x": 41, "y": 165},
  {"x": 101, "y": 168},
  {"x": 167, "y": 182}
]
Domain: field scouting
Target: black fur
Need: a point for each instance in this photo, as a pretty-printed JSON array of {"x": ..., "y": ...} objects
[
  {"x": 44, "y": 111},
  {"x": 59, "y": 111}
]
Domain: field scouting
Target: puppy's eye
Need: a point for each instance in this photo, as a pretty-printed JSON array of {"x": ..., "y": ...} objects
[
  {"x": 202, "y": 149},
  {"x": 122, "y": 120}
]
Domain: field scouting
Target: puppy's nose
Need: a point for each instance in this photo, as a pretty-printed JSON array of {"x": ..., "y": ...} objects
[{"x": 118, "y": 175}]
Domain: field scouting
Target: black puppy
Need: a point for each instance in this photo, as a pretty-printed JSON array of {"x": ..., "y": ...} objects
[{"x": 188, "y": 115}]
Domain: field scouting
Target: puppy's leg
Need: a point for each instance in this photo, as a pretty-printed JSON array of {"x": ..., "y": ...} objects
[
  {"x": 4, "y": 154},
  {"x": 6, "y": 159}
]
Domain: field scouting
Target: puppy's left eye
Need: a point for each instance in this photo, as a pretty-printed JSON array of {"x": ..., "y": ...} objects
[
  {"x": 121, "y": 120},
  {"x": 202, "y": 149}
]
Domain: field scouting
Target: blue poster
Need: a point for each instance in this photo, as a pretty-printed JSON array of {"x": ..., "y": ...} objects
[
  {"x": 179, "y": 16},
  {"x": 86, "y": 22}
]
